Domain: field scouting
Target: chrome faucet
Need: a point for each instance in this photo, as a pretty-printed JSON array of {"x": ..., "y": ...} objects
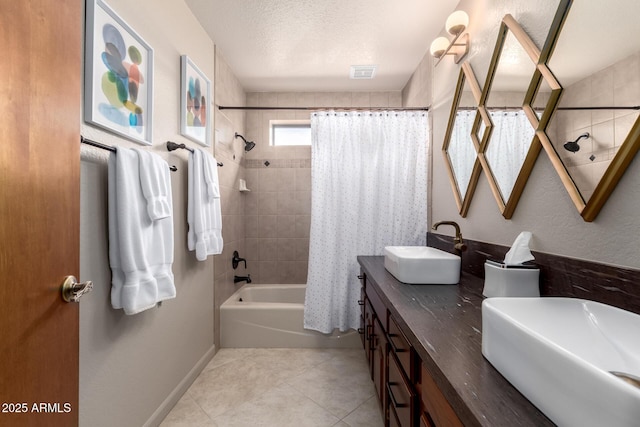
[{"x": 458, "y": 244}]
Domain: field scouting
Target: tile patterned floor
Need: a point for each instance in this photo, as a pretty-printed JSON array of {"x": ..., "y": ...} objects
[{"x": 280, "y": 387}]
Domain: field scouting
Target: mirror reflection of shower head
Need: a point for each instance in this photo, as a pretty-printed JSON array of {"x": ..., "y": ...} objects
[
  {"x": 573, "y": 146},
  {"x": 248, "y": 145}
]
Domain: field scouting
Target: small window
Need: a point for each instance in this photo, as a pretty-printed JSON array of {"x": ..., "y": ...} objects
[{"x": 290, "y": 132}]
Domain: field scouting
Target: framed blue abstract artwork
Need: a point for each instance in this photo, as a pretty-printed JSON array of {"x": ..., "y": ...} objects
[
  {"x": 195, "y": 99},
  {"x": 118, "y": 84}
]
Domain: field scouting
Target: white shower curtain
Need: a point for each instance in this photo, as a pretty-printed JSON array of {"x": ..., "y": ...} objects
[
  {"x": 369, "y": 190},
  {"x": 510, "y": 142},
  {"x": 462, "y": 152}
]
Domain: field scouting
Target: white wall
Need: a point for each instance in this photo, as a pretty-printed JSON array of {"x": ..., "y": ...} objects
[
  {"x": 134, "y": 368},
  {"x": 544, "y": 208}
]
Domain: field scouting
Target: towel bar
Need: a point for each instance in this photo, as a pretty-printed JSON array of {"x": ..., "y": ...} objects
[
  {"x": 171, "y": 146},
  {"x": 84, "y": 140}
]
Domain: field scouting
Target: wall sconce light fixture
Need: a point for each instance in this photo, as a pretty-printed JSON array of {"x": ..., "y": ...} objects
[{"x": 458, "y": 47}]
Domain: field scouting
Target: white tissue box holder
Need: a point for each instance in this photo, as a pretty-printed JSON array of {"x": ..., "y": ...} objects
[{"x": 501, "y": 280}]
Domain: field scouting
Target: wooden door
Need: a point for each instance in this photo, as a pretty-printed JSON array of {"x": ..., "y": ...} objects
[{"x": 40, "y": 82}]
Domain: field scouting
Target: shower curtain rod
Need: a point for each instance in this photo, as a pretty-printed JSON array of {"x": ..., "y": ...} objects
[
  {"x": 505, "y": 108},
  {"x": 491, "y": 108},
  {"x": 634, "y": 107},
  {"x": 97, "y": 144},
  {"x": 223, "y": 107}
]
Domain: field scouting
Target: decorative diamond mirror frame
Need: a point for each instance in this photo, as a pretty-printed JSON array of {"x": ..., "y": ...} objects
[
  {"x": 461, "y": 144},
  {"x": 507, "y": 183},
  {"x": 609, "y": 118}
]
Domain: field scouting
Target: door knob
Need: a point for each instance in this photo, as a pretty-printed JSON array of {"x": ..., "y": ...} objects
[{"x": 72, "y": 290}]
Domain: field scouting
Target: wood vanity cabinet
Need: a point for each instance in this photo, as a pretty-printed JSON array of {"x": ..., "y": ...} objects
[
  {"x": 379, "y": 361},
  {"x": 367, "y": 325},
  {"x": 401, "y": 394},
  {"x": 435, "y": 410},
  {"x": 374, "y": 339},
  {"x": 406, "y": 391},
  {"x": 403, "y": 403}
]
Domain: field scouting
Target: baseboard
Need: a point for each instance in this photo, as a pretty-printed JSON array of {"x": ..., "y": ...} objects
[{"x": 167, "y": 405}]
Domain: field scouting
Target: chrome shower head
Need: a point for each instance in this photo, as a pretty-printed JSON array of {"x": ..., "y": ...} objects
[
  {"x": 573, "y": 146},
  {"x": 248, "y": 145}
]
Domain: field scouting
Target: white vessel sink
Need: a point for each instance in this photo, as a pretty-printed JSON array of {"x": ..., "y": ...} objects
[
  {"x": 422, "y": 265},
  {"x": 559, "y": 352}
]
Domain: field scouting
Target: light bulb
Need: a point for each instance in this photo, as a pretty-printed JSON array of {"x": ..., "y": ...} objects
[
  {"x": 457, "y": 22},
  {"x": 439, "y": 46}
]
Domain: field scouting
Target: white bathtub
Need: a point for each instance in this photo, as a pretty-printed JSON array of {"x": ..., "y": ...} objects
[{"x": 262, "y": 316}]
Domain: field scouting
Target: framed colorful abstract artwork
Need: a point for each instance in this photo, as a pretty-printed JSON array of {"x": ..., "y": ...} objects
[
  {"x": 118, "y": 85},
  {"x": 195, "y": 98}
]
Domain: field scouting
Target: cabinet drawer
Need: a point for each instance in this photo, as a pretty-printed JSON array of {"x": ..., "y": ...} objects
[
  {"x": 393, "y": 418},
  {"x": 378, "y": 306},
  {"x": 368, "y": 329},
  {"x": 363, "y": 318},
  {"x": 379, "y": 354},
  {"x": 362, "y": 329},
  {"x": 401, "y": 347},
  {"x": 400, "y": 394},
  {"x": 436, "y": 408},
  {"x": 425, "y": 421}
]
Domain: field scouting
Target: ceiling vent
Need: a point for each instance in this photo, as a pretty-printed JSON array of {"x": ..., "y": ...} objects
[{"x": 363, "y": 71}]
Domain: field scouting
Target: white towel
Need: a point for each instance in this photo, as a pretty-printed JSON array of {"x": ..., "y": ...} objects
[
  {"x": 203, "y": 209},
  {"x": 140, "y": 249},
  {"x": 155, "y": 183},
  {"x": 210, "y": 169}
]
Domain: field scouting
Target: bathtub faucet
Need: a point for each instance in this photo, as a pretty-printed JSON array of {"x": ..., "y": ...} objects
[{"x": 238, "y": 279}]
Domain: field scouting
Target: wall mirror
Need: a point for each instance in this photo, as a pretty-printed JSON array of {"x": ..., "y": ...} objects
[
  {"x": 595, "y": 131},
  {"x": 511, "y": 148},
  {"x": 542, "y": 97},
  {"x": 460, "y": 147}
]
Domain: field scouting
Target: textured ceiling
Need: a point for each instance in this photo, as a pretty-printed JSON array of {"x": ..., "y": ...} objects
[{"x": 309, "y": 45}]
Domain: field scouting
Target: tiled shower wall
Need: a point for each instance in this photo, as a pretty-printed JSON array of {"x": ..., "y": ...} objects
[
  {"x": 617, "y": 85},
  {"x": 277, "y": 210},
  {"x": 228, "y": 91}
]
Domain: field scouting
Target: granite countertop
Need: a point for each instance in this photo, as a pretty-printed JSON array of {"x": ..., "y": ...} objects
[{"x": 444, "y": 325}]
